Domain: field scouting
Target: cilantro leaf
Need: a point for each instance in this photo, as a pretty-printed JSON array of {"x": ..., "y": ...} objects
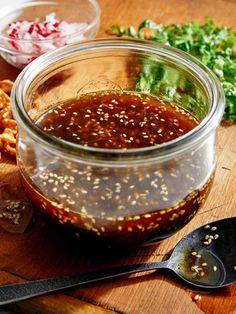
[{"x": 212, "y": 45}]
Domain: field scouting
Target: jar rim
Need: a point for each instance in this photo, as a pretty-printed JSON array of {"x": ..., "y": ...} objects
[{"x": 178, "y": 145}]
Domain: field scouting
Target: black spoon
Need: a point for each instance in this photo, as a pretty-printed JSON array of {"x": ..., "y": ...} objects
[{"x": 205, "y": 258}]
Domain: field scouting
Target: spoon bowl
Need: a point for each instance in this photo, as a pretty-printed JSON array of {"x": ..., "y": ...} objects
[{"x": 205, "y": 258}]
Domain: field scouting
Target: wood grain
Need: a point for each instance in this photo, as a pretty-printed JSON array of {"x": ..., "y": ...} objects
[{"x": 45, "y": 250}]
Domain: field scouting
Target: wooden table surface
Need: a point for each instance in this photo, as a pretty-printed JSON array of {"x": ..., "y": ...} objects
[{"x": 44, "y": 250}]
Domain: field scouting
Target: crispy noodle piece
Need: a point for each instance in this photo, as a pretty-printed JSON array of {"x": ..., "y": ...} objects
[
  {"x": 6, "y": 86},
  {"x": 8, "y": 126}
]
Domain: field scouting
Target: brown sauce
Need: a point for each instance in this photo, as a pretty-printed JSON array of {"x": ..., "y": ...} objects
[
  {"x": 117, "y": 121},
  {"x": 124, "y": 204}
]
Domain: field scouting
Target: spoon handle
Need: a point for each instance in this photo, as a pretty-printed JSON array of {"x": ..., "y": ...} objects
[{"x": 22, "y": 291}]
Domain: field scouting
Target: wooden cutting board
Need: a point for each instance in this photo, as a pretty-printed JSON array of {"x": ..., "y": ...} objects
[{"x": 44, "y": 250}]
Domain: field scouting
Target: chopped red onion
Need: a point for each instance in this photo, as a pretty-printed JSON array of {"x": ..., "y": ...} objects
[{"x": 40, "y": 37}]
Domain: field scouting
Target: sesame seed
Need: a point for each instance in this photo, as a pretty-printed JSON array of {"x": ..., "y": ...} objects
[
  {"x": 147, "y": 216},
  {"x": 120, "y": 218},
  {"x": 195, "y": 267},
  {"x": 110, "y": 218},
  {"x": 197, "y": 297}
]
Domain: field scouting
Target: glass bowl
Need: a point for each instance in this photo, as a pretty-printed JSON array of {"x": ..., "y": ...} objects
[
  {"x": 19, "y": 49},
  {"x": 114, "y": 195}
]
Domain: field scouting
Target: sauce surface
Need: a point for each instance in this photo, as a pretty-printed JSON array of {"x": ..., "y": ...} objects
[{"x": 117, "y": 120}]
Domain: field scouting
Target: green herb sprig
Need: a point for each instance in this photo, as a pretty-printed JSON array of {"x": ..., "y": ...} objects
[{"x": 213, "y": 45}]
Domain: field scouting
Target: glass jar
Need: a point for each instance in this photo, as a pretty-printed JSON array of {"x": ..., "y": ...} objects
[{"x": 118, "y": 196}]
